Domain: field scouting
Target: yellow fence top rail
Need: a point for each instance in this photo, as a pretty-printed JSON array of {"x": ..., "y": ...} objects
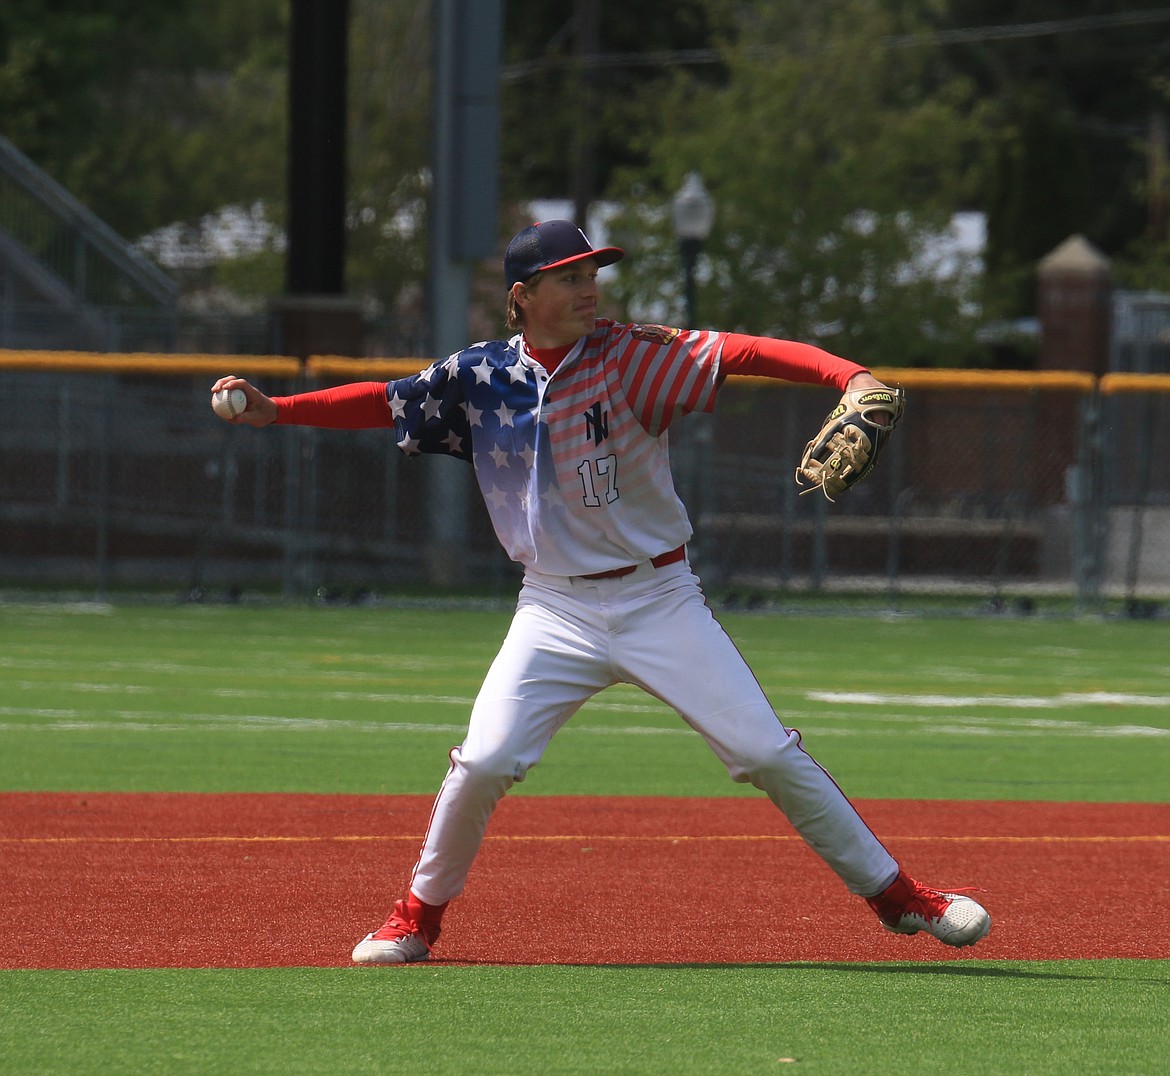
[
  {"x": 1111, "y": 384},
  {"x": 1038, "y": 380},
  {"x": 340, "y": 367},
  {"x": 89, "y": 362},
  {"x": 985, "y": 380}
]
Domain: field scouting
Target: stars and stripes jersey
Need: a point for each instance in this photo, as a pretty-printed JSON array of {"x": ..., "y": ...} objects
[{"x": 573, "y": 466}]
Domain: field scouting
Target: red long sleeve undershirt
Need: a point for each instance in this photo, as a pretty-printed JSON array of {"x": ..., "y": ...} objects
[
  {"x": 786, "y": 360},
  {"x": 363, "y": 404},
  {"x": 359, "y": 406}
]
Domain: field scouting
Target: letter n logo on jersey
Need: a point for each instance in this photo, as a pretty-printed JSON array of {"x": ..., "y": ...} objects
[{"x": 596, "y": 424}]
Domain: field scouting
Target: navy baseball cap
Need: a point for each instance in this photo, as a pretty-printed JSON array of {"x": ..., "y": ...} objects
[{"x": 550, "y": 243}]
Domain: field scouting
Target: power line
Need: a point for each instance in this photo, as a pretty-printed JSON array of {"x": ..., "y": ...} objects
[
  {"x": 518, "y": 72},
  {"x": 1047, "y": 28}
]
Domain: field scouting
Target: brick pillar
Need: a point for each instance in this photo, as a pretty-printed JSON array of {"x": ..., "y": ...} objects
[{"x": 1075, "y": 307}]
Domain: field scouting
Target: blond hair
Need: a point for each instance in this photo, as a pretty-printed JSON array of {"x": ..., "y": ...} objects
[{"x": 514, "y": 318}]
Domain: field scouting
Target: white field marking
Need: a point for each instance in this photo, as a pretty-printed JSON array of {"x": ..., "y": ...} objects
[
  {"x": 811, "y": 722},
  {"x": 464, "y": 701},
  {"x": 73, "y": 720},
  {"x": 83, "y": 687},
  {"x": 164, "y": 667},
  {"x": 940, "y": 701},
  {"x": 1024, "y": 730},
  {"x": 272, "y": 668},
  {"x": 455, "y": 700},
  {"x": 210, "y": 672},
  {"x": 84, "y": 607},
  {"x": 48, "y": 720},
  {"x": 70, "y": 720},
  {"x": 959, "y": 724},
  {"x": 971, "y": 725},
  {"x": 238, "y": 693},
  {"x": 307, "y": 724},
  {"x": 1024, "y": 702}
]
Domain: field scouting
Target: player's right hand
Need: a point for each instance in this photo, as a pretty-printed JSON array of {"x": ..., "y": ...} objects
[{"x": 261, "y": 409}]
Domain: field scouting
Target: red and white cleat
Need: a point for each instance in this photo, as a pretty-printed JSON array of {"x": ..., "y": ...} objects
[
  {"x": 907, "y": 906},
  {"x": 407, "y": 937}
]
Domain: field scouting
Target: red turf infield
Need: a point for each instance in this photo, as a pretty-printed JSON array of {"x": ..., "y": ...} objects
[{"x": 91, "y": 880}]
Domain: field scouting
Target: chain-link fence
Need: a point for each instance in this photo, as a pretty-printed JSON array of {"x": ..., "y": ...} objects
[{"x": 1013, "y": 486}]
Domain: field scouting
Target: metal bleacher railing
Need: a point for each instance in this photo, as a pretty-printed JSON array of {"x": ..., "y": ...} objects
[{"x": 66, "y": 278}]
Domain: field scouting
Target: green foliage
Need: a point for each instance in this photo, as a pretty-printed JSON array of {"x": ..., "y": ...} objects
[
  {"x": 837, "y": 149},
  {"x": 256, "y": 275},
  {"x": 1031, "y": 208},
  {"x": 1144, "y": 266},
  {"x": 1069, "y": 109},
  {"x": 566, "y": 125},
  {"x": 148, "y": 112},
  {"x": 389, "y": 149},
  {"x": 833, "y": 178}
]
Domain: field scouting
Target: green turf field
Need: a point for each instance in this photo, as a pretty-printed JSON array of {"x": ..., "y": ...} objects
[
  {"x": 959, "y": 1017},
  {"x": 222, "y": 698},
  {"x": 368, "y": 700}
]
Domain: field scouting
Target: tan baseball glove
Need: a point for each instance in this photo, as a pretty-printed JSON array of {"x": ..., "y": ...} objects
[{"x": 846, "y": 448}]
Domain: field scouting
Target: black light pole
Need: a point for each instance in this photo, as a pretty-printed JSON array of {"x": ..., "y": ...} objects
[
  {"x": 318, "y": 54},
  {"x": 693, "y": 210},
  {"x": 690, "y": 248}
]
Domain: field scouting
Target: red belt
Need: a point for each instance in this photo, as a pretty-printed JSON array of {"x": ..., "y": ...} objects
[{"x": 660, "y": 561}]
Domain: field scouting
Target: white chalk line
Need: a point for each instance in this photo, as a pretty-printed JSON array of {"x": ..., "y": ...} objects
[
  {"x": 810, "y": 721},
  {"x": 1027, "y": 702},
  {"x": 67, "y": 720}
]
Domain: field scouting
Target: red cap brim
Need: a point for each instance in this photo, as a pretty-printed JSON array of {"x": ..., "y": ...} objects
[{"x": 603, "y": 256}]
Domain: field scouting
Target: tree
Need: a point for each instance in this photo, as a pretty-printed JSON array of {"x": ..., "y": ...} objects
[
  {"x": 389, "y": 151},
  {"x": 149, "y": 111},
  {"x": 577, "y": 82},
  {"x": 834, "y": 175},
  {"x": 1068, "y": 87},
  {"x": 162, "y": 111}
]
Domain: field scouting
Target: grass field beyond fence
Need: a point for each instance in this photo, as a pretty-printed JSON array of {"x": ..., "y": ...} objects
[{"x": 369, "y": 700}]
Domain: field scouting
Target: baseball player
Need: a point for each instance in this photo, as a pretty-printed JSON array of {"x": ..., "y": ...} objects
[{"x": 566, "y": 426}]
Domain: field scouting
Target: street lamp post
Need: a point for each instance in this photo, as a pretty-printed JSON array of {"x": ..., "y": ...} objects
[{"x": 693, "y": 210}]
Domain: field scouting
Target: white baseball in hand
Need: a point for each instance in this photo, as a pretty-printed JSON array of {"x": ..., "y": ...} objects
[{"x": 227, "y": 403}]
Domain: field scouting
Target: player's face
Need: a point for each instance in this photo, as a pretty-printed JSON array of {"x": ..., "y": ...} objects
[{"x": 562, "y": 305}]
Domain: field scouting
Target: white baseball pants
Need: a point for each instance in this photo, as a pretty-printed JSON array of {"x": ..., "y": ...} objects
[{"x": 571, "y": 638}]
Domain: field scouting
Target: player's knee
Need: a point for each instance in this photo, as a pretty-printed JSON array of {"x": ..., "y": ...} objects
[
  {"x": 764, "y": 761},
  {"x": 492, "y": 767}
]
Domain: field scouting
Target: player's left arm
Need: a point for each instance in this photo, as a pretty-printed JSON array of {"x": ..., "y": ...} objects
[
  {"x": 786, "y": 360},
  {"x": 790, "y": 360}
]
